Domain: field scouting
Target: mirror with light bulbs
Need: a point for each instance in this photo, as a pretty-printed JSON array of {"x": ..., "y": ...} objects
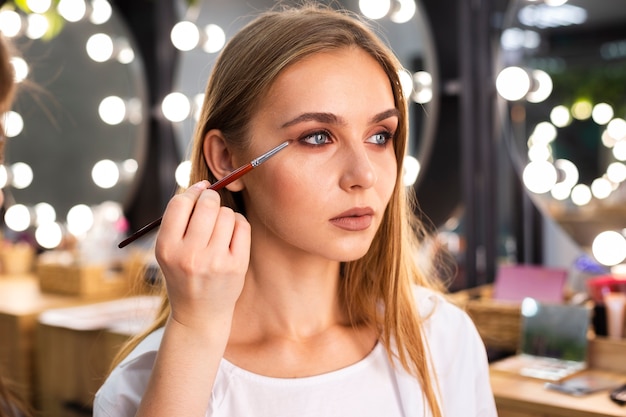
[
  {"x": 77, "y": 130},
  {"x": 205, "y": 27},
  {"x": 562, "y": 88}
]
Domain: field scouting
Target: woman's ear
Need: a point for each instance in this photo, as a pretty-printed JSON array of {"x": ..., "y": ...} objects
[{"x": 219, "y": 158}]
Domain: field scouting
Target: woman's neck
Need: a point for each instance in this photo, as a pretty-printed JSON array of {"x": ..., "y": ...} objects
[
  {"x": 289, "y": 322},
  {"x": 290, "y": 298}
]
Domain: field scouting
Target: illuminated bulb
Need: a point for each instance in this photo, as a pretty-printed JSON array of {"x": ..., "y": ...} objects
[
  {"x": 601, "y": 188},
  {"x": 185, "y": 36},
  {"x": 560, "y": 191},
  {"x": 607, "y": 139},
  {"x": 529, "y": 307},
  {"x": 17, "y": 217},
  {"x": 111, "y": 211},
  {"x": 570, "y": 172},
  {"x": 619, "y": 150},
  {"x": 49, "y": 235},
  {"x": 176, "y": 107},
  {"x": 617, "y": 128},
  {"x": 44, "y": 213},
  {"x": 99, "y": 47},
  {"x": 112, "y": 110},
  {"x": 215, "y": 38},
  {"x": 539, "y": 176},
  {"x": 513, "y": 83},
  {"x": 130, "y": 165},
  {"x": 581, "y": 110},
  {"x": 374, "y": 9},
  {"x": 22, "y": 175},
  {"x": 126, "y": 55},
  {"x": 4, "y": 176},
  {"x": 37, "y": 26},
  {"x": 406, "y": 81},
  {"x": 423, "y": 87},
  {"x": 182, "y": 173},
  {"x": 581, "y": 195},
  {"x": 542, "y": 87},
  {"x": 404, "y": 12},
  {"x": 555, "y": 3},
  {"x": 39, "y": 6},
  {"x": 602, "y": 113},
  {"x": 609, "y": 248},
  {"x": 532, "y": 39},
  {"x": 619, "y": 270},
  {"x": 72, "y": 10},
  {"x": 79, "y": 219},
  {"x": 20, "y": 69},
  {"x": 512, "y": 39},
  {"x": 105, "y": 173},
  {"x": 101, "y": 12},
  {"x": 616, "y": 172},
  {"x": 10, "y": 23},
  {"x": 544, "y": 133},
  {"x": 560, "y": 116},
  {"x": 411, "y": 170},
  {"x": 539, "y": 153},
  {"x": 13, "y": 124}
]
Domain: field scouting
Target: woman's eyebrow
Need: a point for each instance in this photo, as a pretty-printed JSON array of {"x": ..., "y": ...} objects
[
  {"x": 386, "y": 115},
  {"x": 330, "y": 118}
]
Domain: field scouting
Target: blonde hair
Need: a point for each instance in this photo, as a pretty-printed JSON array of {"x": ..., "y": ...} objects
[{"x": 242, "y": 75}]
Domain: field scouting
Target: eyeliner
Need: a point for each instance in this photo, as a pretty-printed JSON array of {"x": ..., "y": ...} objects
[{"x": 234, "y": 175}]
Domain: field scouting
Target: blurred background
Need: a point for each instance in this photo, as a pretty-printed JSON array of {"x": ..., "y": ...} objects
[
  {"x": 517, "y": 155},
  {"x": 517, "y": 120}
]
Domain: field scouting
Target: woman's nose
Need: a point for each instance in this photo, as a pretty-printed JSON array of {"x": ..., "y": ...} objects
[{"x": 357, "y": 168}]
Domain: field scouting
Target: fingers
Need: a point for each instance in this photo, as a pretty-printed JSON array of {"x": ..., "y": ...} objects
[
  {"x": 178, "y": 212},
  {"x": 196, "y": 218},
  {"x": 204, "y": 218},
  {"x": 233, "y": 228},
  {"x": 241, "y": 240}
]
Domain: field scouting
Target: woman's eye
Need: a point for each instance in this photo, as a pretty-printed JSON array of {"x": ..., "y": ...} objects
[
  {"x": 317, "y": 138},
  {"x": 380, "y": 138}
]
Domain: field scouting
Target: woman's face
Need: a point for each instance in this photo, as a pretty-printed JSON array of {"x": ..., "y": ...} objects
[{"x": 326, "y": 193}]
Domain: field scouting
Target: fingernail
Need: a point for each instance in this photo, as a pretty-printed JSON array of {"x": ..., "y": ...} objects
[{"x": 201, "y": 185}]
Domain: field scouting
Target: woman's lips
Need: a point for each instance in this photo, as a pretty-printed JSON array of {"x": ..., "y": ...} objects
[{"x": 354, "y": 220}]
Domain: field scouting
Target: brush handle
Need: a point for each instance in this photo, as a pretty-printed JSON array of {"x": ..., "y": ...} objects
[{"x": 218, "y": 185}]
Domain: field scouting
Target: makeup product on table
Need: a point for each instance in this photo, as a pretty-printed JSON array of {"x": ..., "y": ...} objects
[
  {"x": 618, "y": 395},
  {"x": 236, "y": 174},
  {"x": 615, "y": 304}
]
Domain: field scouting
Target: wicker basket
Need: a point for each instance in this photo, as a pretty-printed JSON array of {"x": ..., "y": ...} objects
[
  {"x": 498, "y": 323},
  {"x": 94, "y": 281},
  {"x": 16, "y": 259}
]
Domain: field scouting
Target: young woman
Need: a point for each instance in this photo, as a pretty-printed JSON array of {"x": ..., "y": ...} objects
[{"x": 295, "y": 290}]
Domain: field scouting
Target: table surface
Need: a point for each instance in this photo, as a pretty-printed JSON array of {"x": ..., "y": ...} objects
[
  {"x": 520, "y": 393},
  {"x": 22, "y": 296}
]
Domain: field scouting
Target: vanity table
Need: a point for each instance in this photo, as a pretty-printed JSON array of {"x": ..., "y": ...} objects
[
  {"x": 21, "y": 302},
  {"x": 518, "y": 396}
]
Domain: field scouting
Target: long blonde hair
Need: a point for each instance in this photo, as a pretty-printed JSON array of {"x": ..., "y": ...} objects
[{"x": 242, "y": 75}]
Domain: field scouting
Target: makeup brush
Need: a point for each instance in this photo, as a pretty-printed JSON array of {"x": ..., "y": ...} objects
[{"x": 236, "y": 174}]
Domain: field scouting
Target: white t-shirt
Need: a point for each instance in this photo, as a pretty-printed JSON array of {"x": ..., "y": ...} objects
[{"x": 371, "y": 387}]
